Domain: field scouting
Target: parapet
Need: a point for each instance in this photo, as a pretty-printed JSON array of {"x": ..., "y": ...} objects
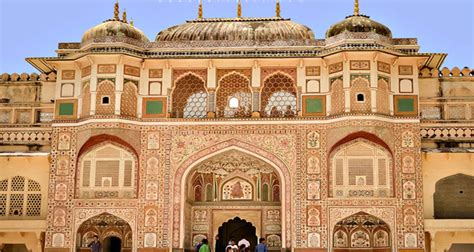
[
  {"x": 446, "y": 72},
  {"x": 15, "y": 77}
]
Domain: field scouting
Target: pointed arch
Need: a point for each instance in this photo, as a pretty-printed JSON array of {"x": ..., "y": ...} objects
[
  {"x": 278, "y": 93},
  {"x": 86, "y": 100},
  {"x": 360, "y": 165},
  {"x": 189, "y": 96},
  {"x": 233, "y": 84},
  {"x": 107, "y": 167},
  {"x": 360, "y": 85},
  {"x": 383, "y": 94},
  {"x": 338, "y": 102},
  {"x": 129, "y": 99},
  {"x": 363, "y": 230},
  {"x": 186, "y": 167},
  {"x": 105, "y": 89}
]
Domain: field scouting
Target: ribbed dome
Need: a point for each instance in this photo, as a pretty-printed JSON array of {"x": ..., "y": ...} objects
[
  {"x": 250, "y": 29},
  {"x": 114, "y": 28},
  {"x": 358, "y": 23}
]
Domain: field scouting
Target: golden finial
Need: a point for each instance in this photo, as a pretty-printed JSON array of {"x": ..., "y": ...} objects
[
  {"x": 124, "y": 16},
  {"x": 239, "y": 9},
  {"x": 200, "y": 10},
  {"x": 356, "y": 8},
  {"x": 116, "y": 11},
  {"x": 277, "y": 9},
  {"x": 131, "y": 22}
]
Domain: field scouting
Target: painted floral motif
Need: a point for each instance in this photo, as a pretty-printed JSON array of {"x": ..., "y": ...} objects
[
  {"x": 314, "y": 240},
  {"x": 150, "y": 240},
  {"x": 313, "y": 165},
  {"x": 407, "y": 139},
  {"x": 314, "y": 187},
  {"x": 64, "y": 141},
  {"x": 153, "y": 140},
  {"x": 313, "y": 140}
]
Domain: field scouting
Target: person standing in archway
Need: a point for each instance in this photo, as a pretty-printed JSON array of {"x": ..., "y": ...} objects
[
  {"x": 261, "y": 247},
  {"x": 204, "y": 246},
  {"x": 95, "y": 245}
]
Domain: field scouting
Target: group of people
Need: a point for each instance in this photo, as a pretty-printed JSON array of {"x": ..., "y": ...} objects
[{"x": 242, "y": 246}]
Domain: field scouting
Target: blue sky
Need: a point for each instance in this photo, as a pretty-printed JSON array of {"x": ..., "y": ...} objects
[{"x": 33, "y": 28}]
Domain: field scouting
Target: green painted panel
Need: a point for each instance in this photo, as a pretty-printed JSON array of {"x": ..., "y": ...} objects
[
  {"x": 406, "y": 105},
  {"x": 154, "y": 107},
  {"x": 314, "y": 105},
  {"x": 66, "y": 109}
]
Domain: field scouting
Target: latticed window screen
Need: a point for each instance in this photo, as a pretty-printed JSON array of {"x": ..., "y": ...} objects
[
  {"x": 4, "y": 185},
  {"x": 361, "y": 169},
  {"x": 234, "y": 85},
  {"x": 3, "y": 204},
  {"x": 189, "y": 98},
  {"x": 20, "y": 197},
  {"x": 18, "y": 183},
  {"x": 33, "y": 186},
  {"x": 33, "y": 204},
  {"x": 16, "y": 204},
  {"x": 107, "y": 171},
  {"x": 279, "y": 95}
]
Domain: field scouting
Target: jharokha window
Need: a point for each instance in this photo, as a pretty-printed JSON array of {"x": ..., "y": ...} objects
[
  {"x": 361, "y": 169},
  {"x": 107, "y": 171}
]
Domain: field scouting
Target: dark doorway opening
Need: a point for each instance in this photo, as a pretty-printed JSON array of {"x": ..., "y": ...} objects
[
  {"x": 112, "y": 244},
  {"x": 238, "y": 229}
]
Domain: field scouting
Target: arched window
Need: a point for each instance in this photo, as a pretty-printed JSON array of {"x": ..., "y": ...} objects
[
  {"x": 105, "y": 102},
  {"x": 20, "y": 196},
  {"x": 107, "y": 171},
  {"x": 128, "y": 103},
  {"x": 454, "y": 197},
  {"x": 189, "y": 98},
  {"x": 361, "y": 169},
  {"x": 233, "y": 96},
  {"x": 278, "y": 96}
]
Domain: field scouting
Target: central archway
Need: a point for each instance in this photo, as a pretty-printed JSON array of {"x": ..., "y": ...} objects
[
  {"x": 236, "y": 192},
  {"x": 238, "y": 229},
  {"x": 362, "y": 232},
  {"x": 114, "y": 233}
]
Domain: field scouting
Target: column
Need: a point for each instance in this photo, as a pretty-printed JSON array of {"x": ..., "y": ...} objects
[
  {"x": 93, "y": 87},
  {"x": 118, "y": 88}
]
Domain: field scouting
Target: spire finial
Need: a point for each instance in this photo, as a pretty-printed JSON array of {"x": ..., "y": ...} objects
[
  {"x": 131, "y": 22},
  {"x": 356, "y": 8},
  {"x": 116, "y": 11},
  {"x": 124, "y": 16},
  {"x": 239, "y": 9},
  {"x": 277, "y": 8},
  {"x": 200, "y": 10}
]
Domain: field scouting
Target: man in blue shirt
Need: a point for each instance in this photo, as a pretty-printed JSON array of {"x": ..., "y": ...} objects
[
  {"x": 261, "y": 247},
  {"x": 95, "y": 245}
]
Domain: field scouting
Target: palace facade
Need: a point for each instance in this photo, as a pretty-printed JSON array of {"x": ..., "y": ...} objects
[{"x": 238, "y": 127}]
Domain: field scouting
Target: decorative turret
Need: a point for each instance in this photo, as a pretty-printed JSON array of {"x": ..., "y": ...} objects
[
  {"x": 119, "y": 29},
  {"x": 358, "y": 23}
]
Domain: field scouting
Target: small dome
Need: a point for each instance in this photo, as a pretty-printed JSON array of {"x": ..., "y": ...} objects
[
  {"x": 114, "y": 28},
  {"x": 249, "y": 29},
  {"x": 358, "y": 23}
]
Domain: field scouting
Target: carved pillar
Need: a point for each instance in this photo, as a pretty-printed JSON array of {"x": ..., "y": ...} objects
[
  {"x": 118, "y": 88},
  {"x": 93, "y": 88}
]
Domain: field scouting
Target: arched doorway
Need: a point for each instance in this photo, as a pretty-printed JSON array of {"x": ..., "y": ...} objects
[
  {"x": 228, "y": 184},
  {"x": 361, "y": 232},
  {"x": 114, "y": 233},
  {"x": 112, "y": 244},
  {"x": 238, "y": 229}
]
